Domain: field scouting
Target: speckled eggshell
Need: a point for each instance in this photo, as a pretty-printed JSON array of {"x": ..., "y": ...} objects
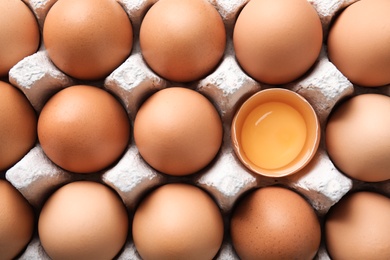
[
  {"x": 275, "y": 223},
  {"x": 87, "y": 39}
]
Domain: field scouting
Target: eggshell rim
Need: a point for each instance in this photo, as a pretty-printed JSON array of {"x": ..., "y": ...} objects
[{"x": 297, "y": 102}]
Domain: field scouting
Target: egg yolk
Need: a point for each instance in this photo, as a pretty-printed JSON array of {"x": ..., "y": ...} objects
[{"x": 273, "y": 135}]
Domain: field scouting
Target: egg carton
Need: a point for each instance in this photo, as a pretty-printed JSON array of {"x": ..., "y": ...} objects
[{"x": 225, "y": 179}]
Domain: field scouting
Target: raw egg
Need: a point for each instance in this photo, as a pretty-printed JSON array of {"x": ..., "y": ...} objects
[
  {"x": 358, "y": 137},
  {"x": 275, "y": 132},
  {"x": 18, "y": 125},
  {"x": 19, "y": 33},
  {"x": 182, "y": 40},
  {"x": 177, "y": 221},
  {"x": 277, "y": 41},
  {"x": 357, "y": 227},
  {"x": 83, "y": 129},
  {"x": 16, "y": 221},
  {"x": 358, "y": 42},
  {"x": 83, "y": 220},
  {"x": 275, "y": 223},
  {"x": 87, "y": 39},
  {"x": 178, "y": 131}
]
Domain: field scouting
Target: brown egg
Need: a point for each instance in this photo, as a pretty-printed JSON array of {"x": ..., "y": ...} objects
[
  {"x": 275, "y": 223},
  {"x": 358, "y": 137},
  {"x": 182, "y": 40},
  {"x": 87, "y": 39},
  {"x": 19, "y": 34},
  {"x": 277, "y": 41},
  {"x": 178, "y": 131},
  {"x": 16, "y": 221},
  {"x": 83, "y": 220},
  {"x": 18, "y": 127},
  {"x": 83, "y": 129},
  {"x": 358, "y": 42},
  {"x": 177, "y": 221},
  {"x": 357, "y": 227}
]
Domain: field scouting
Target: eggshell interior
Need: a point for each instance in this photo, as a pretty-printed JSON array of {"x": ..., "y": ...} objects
[
  {"x": 300, "y": 105},
  {"x": 225, "y": 179}
]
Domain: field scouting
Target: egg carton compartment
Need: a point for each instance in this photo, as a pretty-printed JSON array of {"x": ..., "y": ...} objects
[{"x": 228, "y": 86}]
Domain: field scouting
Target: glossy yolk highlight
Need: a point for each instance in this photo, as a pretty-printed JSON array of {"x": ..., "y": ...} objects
[{"x": 273, "y": 135}]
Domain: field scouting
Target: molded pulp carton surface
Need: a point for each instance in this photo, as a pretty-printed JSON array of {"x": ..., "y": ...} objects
[{"x": 225, "y": 179}]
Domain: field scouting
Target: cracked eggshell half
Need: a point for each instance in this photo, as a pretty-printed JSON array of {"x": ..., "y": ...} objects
[{"x": 275, "y": 132}]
